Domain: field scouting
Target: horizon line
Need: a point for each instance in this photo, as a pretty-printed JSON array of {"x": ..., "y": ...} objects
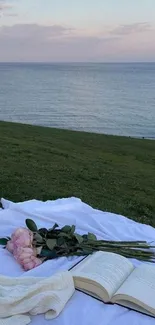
[{"x": 76, "y": 62}]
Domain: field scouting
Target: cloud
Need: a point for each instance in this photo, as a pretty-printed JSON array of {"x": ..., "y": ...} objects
[
  {"x": 131, "y": 28},
  {"x": 11, "y": 15},
  {"x": 32, "y": 42},
  {"x": 33, "y": 32},
  {"x": 5, "y": 7},
  {"x": 57, "y": 43}
]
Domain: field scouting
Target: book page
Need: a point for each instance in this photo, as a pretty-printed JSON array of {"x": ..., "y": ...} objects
[
  {"x": 139, "y": 288},
  {"x": 106, "y": 269}
]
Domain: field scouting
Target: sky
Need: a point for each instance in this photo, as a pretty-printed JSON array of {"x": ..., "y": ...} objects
[{"x": 77, "y": 30}]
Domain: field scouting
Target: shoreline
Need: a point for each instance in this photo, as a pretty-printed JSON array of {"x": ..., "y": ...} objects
[{"x": 78, "y": 131}]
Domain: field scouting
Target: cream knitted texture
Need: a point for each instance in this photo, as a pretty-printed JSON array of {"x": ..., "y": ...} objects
[
  {"x": 18, "y": 320},
  {"x": 19, "y": 296}
]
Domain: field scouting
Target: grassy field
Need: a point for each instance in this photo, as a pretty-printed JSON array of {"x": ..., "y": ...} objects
[{"x": 115, "y": 174}]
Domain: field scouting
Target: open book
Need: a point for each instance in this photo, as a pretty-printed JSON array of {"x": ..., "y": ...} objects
[{"x": 113, "y": 278}]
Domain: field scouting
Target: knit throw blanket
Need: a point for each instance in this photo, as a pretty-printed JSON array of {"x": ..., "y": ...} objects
[{"x": 33, "y": 296}]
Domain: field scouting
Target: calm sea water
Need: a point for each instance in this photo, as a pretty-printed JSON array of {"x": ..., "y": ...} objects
[{"x": 103, "y": 98}]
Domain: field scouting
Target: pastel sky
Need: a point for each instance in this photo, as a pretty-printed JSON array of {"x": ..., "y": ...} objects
[{"x": 77, "y": 30}]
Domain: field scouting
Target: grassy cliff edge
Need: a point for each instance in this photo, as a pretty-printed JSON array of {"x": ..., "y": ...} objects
[{"x": 111, "y": 173}]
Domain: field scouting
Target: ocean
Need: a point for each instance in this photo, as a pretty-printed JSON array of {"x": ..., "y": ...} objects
[{"x": 116, "y": 99}]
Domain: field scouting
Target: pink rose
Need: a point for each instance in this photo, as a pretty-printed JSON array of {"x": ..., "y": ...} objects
[
  {"x": 32, "y": 264},
  {"x": 22, "y": 237},
  {"x": 21, "y": 246},
  {"x": 26, "y": 257},
  {"x": 22, "y": 253}
]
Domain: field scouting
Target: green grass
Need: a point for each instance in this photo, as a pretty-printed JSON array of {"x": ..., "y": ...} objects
[{"x": 115, "y": 174}]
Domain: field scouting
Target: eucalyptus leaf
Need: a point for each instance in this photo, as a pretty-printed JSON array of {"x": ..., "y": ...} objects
[
  {"x": 3, "y": 241},
  {"x": 51, "y": 243},
  {"x": 78, "y": 238},
  {"x": 91, "y": 236},
  {"x": 31, "y": 225}
]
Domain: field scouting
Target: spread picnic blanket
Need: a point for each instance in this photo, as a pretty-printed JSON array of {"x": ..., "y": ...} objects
[{"x": 72, "y": 211}]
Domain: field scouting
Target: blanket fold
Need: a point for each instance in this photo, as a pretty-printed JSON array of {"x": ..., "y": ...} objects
[{"x": 32, "y": 295}]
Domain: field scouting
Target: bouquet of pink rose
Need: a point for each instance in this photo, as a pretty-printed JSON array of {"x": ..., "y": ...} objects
[
  {"x": 32, "y": 246},
  {"x": 21, "y": 246}
]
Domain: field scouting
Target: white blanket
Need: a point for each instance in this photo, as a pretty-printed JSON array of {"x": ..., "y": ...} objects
[{"x": 81, "y": 308}]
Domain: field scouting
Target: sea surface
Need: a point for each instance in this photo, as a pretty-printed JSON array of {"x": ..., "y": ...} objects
[{"x": 116, "y": 99}]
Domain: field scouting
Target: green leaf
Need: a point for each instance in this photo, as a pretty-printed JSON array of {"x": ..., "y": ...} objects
[
  {"x": 43, "y": 232},
  {"x": 38, "y": 238},
  {"x": 72, "y": 229},
  {"x": 51, "y": 243},
  {"x": 49, "y": 254},
  {"x": 54, "y": 227},
  {"x": 87, "y": 252},
  {"x": 60, "y": 241},
  {"x": 78, "y": 238},
  {"x": 3, "y": 241},
  {"x": 31, "y": 225},
  {"x": 91, "y": 236},
  {"x": 85, "y": 237},
  {"x": 66, "y": 229},
  {"x": 63, "y": 234}
]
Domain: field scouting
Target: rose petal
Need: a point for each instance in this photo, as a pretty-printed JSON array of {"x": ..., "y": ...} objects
[
  {"x": 28, "y": 266},
  {"x": 10, "y": 246},
  {"x": 22, "y": 237},
  {"x": 37, "y": 262}
]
